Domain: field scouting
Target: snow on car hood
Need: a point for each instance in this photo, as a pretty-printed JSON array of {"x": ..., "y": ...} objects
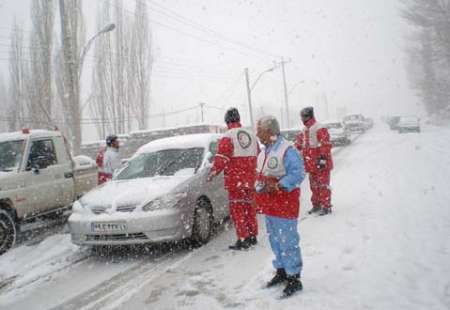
[{"x": 131, "y": 192}]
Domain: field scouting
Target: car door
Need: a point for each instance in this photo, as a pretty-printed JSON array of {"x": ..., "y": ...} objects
[{"x": 42, "y": 176}]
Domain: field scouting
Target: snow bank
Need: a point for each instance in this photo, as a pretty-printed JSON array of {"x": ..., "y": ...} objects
[{"x": 25, "y": 267}]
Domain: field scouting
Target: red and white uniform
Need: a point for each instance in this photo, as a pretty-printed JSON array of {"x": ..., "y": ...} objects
[
  {"x": 110, "y": 161},
  {"x": 236, "y": 157},
  {"x": 270, "y": 169},
  {"x": 102, "y": 177},
  {"x": 314, "y": 143}
]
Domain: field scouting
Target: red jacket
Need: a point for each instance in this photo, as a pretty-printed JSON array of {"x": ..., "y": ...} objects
[
  {"x": 102, "y": 177},
  {"x": 279, "y": 203},
  {"x": 314, "y": 143},
  {"x": 239, "y": 171}
]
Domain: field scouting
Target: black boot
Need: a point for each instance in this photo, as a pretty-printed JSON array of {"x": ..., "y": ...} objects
[
  {"x": 314, "y": 209},
  {"x": 251, "y": 240},
  {"x": 240, "y": 245},
  {"x": 293, "y": 285},
  {"x": 279, "y": 278},
  {"x": 325, "y": 211}
]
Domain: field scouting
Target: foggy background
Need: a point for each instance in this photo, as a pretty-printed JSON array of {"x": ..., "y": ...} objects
[{"x": 342, "y": 56}]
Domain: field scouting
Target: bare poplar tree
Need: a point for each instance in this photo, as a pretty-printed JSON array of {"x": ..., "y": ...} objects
[
  {"x": 5, "y": 105},
  {"x": 140, "y": 65},
  {"x": 17, "y": 114},
  {"x": 121, "y": 78},
  {"x": 103, "y": 95},
  {"x": 41, "y": 48},
  {"x": 72, "y": 29},
  {"x": 429, "y": 51}
]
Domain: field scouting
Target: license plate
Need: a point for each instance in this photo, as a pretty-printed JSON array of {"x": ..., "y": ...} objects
[{"x": 108, "y": 227}]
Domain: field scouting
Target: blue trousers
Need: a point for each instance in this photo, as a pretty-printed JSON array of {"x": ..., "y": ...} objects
[{"x": 284, "y": 241}]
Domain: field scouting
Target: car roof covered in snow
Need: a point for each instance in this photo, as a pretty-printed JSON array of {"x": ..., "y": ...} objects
[
  {"x": 34, "y": 133},
  {"x": 290, "y": 129},
  {"x": 179, "y": 142},
  {"x": 156, "y": 130},
  {"x": 331, "y": 121}
]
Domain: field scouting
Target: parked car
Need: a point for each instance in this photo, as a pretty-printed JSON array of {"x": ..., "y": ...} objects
[
  {"x": 368, "y": 122},
  {"x": 160, "y": 195},
  {"x": 290, "y": 134},
  {"x": 38, "y": 177},
  {"x": 408, "y": 124},
  {"x": 355, "y": 123},
  {"x": 339, "y": 134},
  {"x": 393, "y": 121}
]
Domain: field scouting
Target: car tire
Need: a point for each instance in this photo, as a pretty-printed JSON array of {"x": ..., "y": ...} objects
[
  {"x": 203, "y": 224},
  {"x": 8, "y": 232}
]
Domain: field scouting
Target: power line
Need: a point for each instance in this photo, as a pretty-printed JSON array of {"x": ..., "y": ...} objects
[
  {"x": 94, "y": 121},
  {"x": 174, "y": 15},
  {"x": 156, "y": 22}
]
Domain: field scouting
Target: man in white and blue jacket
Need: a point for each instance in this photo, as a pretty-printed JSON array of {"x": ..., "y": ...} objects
[{"x": 280, "y": 170}]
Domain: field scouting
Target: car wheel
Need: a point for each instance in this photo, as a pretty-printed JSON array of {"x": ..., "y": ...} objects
[
  {"x": 8, "y": 231},
  {"x": 203, "y": 224}
]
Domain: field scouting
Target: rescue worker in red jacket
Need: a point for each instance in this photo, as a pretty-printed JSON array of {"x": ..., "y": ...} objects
[
  {"x": 236, "y": 157},
  {"x": 314, "y": 144}
]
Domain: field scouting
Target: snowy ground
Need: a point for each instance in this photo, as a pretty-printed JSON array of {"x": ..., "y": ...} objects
[{"x": 386, "y": 246}]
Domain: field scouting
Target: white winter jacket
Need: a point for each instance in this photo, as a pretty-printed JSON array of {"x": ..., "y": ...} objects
[{"x": 111, "y": 160}]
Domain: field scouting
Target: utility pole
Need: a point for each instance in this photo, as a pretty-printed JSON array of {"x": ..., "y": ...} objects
[
  {"x": 202, "y": 104},
  {"x": 249, "y": 96},
  {"x": 285, "y": 91}
]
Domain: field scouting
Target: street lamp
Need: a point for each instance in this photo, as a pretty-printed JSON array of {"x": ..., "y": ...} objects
[
  {"x": 86, "y": 48},
  {"x": 107, "y": 28},
  {"x": 250, "y": 89}
]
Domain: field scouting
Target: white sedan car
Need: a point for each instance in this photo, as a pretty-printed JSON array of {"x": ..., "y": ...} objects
[
  {"x": 339, "y": 134},
  {"x": 408, "y": 124},
  {"x": 161, "y": 194}
]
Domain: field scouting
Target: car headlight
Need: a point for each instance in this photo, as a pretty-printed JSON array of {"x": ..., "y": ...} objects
[{"x": 168, "y": 201}]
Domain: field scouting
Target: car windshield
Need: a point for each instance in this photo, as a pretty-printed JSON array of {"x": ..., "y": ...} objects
[
  {"x": 353, "y": 117},
  {"x": 333, "y": 125},
  {"x": 289, "y": 135},
  {"x": 166, "y": 162},
  {"x": 11, "y": 153}
]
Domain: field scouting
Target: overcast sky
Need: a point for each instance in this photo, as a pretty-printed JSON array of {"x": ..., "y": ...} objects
[{"x": 348, "y": 53}]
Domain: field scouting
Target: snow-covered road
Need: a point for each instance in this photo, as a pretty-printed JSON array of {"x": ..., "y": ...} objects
[{"x": 386, "y": 246}]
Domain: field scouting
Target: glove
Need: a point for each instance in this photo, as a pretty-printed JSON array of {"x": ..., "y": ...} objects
[
  {"x": 321, "y": 162},
  {"x": 211, "y": 176},
  {"x": 269, "y": 185}
]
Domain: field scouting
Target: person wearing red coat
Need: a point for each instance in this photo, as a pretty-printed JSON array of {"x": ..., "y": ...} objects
[
  {"x": 315, "y": 146},
  {"x": 236, "y": 157}
]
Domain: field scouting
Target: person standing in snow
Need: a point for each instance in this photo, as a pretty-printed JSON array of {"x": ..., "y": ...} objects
[
  {"x": 111, "y": 158},
  {"x": 314, "y": 144},
  {"x": 280, "y": 171},
  {"x": 101, "y": 176},
  {"x": 236, "y": 156}
]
